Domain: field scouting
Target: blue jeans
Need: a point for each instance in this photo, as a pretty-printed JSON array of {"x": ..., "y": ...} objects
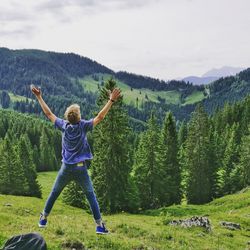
[{"x": 67, "y": 173}]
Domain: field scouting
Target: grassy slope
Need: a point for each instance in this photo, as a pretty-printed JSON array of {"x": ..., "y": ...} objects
[
  {"x": 172, "y": 97},
  {"x": 194, "y": 97},
  {"x": 128, "y": 231},
  {"x": 15, "y": 98}
]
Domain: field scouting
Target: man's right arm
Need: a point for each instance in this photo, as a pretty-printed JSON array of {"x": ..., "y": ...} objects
[{"x": 37, "y": 92}]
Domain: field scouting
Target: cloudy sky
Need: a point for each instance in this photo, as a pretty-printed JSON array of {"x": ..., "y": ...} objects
[{"x": 161, "y": 38}]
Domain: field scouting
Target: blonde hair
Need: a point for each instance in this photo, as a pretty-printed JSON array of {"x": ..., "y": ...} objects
[{"x": 72, "y": 114}]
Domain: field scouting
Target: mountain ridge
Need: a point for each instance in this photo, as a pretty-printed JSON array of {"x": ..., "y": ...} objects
[
  {"x": 213, "y": 75},
  {"x": 62, "y": 77},
  {"x": 223, "y": 71}
]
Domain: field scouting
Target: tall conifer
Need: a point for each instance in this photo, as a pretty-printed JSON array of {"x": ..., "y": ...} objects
[
  {"x": 168, "y": 164},
  {"x": 147, "y": 173},
  {"x": 25, "y": 159},
  {"x": 110, "y": 166},
  {"x": 197, "y": 158}
]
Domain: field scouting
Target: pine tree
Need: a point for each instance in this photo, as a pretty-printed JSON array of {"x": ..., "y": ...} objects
[
  {"x": 25, "y": 159},
  {"x": 45, "y": 153},
  {"x": 182, "y": 133},
  {"x": 36, "y": 157},
  {"x": 12, "y": 177},
  {"x": 241, "y": 176},
  {"x": 2, "y": 167},
  {"x": 168, "y": 164},
  {"x": 4, "y": 99},
  {"x": 147, "y": 174},
  {"x": 74, "y": 196},
  {"x": 245, "y": 115},
  {"x": 231, "y": 157},
  {"x": 215, "y": 162},
  {"x": 110, "y": 166},
  {"x": 197, "y": 157}
]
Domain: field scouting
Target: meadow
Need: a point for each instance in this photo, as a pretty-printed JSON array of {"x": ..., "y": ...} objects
[
  {"x": 131, "y": 95},
  {"x": 70, "y": 226}
]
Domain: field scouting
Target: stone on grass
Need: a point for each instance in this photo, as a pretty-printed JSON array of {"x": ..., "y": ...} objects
[
  {"x": 73, "y": 245},
  {"x": 230, "y": 225},
  {"x": 8, "y": 205},
  {"x": 193, "y": 221}
]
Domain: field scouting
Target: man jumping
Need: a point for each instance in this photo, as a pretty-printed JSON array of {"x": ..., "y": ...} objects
[{"x": 75, "y": 152}]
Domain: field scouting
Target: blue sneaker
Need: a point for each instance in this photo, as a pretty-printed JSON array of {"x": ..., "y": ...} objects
[
  {"x": 42, "y": 222},
  {"x": 102, "y": 230}
]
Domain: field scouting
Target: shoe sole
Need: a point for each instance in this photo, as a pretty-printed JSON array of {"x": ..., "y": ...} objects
[
  {"x": 101, "y": 233},
  {"x": 42, "y": 226}
]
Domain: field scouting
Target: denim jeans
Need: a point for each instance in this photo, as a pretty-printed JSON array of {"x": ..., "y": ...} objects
[{"x": 67, "y": 173}]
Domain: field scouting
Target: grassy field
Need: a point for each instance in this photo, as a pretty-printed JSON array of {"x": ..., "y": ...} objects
[
  {"x": 194, "y": 97},
  {"x": 19, "y": 98},
  {"x": 132, "y": 95},
  {"x": 15, "y": 98},
  {"x": 145, "y": 231}
]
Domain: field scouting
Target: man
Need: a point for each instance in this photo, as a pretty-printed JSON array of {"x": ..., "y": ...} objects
[{"x": 75, "y": 152}]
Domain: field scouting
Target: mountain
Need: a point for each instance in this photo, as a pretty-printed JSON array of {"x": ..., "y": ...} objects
[
  {"x": 67, "y": 78},
  {"x": 213, "y": 75},
  {"x": 223, "y": 71},
  {"x": 196, "y": 80}
]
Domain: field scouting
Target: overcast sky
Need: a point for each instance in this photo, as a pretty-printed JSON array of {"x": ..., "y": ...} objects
[{"x": 160, "y": 38}]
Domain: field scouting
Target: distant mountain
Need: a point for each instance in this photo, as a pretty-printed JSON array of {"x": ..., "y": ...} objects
[
  {"x": 196, "y": 80},
  {"x": 223, "y": 71},
  {"x": 213, "y": 75}
]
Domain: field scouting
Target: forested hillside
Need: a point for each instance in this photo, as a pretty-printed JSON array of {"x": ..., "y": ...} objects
[
  {"x": 202, "y": 159},
  {"x": 27, "y": 145},
  {"x": 205, "y": 158},
  {"x": 66, "y": 78}
]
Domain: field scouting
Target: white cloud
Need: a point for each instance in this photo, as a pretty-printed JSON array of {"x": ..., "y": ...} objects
[{"x": 164, "y": 39}]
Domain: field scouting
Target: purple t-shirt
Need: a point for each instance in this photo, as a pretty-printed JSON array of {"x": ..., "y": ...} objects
[{"x": 75, "y": 147}]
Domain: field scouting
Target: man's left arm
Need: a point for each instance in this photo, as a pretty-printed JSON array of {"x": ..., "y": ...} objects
[{"x": 112, "y": 98}]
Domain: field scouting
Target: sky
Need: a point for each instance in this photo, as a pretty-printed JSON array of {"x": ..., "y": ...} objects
[{"x": 165, "y": 39}]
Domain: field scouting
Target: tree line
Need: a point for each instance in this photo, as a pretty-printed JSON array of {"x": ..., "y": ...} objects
[
  {"x": 164, "y": 165},
  {"x": 27, "y": 145},
  {"x": 167, "y": 163},
  {"x": 60, "y": 74}
]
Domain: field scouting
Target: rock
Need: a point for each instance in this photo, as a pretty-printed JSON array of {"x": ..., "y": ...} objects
[
  {"x": 73, "y": 245},
  {"x": 229, "y": 235},
  {"x": 193, "y": 221},
  {"x": 230, "y": 225},
  {"x": 8, "y": 205}
]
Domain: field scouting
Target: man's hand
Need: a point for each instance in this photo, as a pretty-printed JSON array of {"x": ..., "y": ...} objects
[
  {"x": 115, "y": 94},
  {"x": 36, "y": 91}
]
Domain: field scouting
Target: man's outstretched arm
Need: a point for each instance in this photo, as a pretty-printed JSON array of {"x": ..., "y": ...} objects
[
  {"x": 38, "y": 93},
  {"x": 112, "y": 98}
]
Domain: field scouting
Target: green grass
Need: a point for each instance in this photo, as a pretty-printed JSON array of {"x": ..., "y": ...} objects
[
  {"x": 14, "y": 97},
  {"x": 19, "y": 98},
  {"x": 194, "y": 97},
  {"x": 130, "y": 95},
  {"x": 145, "y": 231}
]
